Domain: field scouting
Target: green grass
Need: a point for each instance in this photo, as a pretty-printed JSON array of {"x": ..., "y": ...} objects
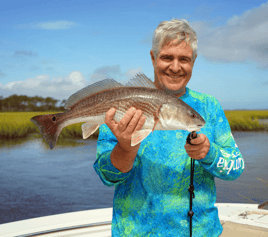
[
  {"x": 18, "y": 125},
  {"x": 247, "y": 114},
  {"x": 247, "y": 120}
]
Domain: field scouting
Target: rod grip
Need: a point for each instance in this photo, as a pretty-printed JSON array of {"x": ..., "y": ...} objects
[{"x": 191, "y": 136}]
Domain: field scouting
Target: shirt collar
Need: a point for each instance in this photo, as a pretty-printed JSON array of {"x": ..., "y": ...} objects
[{"x": 186, "y": 94}]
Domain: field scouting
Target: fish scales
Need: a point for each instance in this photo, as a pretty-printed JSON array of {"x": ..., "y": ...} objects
[
  {"x": 146, "y": 99},
  {"x": 162, "y": 110}
]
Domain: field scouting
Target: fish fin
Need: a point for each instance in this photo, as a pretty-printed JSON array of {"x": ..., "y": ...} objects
[
  {"x": 140, "y": 80},
  {"x": 156, "y": 118},
  {"x": 49, "y": 127},
  {"x": 139, "y": 136},
  {"x": 90, "y": 90},
  {"x": 88, "y": 129}
]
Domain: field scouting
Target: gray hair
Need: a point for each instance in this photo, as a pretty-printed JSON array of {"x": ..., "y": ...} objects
[{"x": 174, "y": 29}]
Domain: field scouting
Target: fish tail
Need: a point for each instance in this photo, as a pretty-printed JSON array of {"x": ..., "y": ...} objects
[{"x": 49, "y": 127}]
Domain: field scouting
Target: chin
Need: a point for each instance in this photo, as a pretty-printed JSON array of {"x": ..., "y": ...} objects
[{"x": 174, "y": 87}]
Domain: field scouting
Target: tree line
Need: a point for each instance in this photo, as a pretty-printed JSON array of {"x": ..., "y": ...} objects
[{"x": 26, "y": 103}]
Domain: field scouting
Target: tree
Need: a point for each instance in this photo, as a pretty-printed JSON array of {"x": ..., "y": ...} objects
[{"x": 25, "y": 103}]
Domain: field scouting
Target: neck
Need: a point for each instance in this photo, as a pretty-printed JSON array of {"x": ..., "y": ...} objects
[{"x": 178, "y": 93}]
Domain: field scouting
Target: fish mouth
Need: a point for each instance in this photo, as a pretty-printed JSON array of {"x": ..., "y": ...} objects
[{"x": 195, "y": 128}]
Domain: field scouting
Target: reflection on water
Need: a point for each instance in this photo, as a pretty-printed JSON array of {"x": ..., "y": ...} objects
[
  {"x": 37, "y": 181},
  {"x": 61, "y": 143}
]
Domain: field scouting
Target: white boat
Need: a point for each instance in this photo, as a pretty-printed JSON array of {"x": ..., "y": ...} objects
[{"x": 237, "y": 220}]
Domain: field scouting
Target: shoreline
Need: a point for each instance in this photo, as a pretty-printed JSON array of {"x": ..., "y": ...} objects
[{"x": 15, "y": 125}]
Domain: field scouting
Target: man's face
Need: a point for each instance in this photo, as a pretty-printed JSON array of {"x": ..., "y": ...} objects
[{"x": 173, "y": 67}]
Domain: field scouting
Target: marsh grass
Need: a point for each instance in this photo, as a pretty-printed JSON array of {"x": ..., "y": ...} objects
[
  {"x": 247, "y": 120},
  {"x": 15, "y": 125}
]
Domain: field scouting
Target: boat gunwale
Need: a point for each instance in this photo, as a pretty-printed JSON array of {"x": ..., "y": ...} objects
[
  {"x": 66, "y": 229},
  {"x": 228, "y": 212}
]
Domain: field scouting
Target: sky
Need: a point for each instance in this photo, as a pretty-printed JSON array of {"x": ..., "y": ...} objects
[{"x": 55, "y": 48}]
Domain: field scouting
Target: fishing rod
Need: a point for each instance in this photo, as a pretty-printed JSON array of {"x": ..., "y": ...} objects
[{"x": 191, "y": 136}]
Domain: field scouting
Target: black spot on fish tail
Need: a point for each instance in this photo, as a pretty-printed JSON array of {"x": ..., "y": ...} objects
[{"x": 48, "y": 127}]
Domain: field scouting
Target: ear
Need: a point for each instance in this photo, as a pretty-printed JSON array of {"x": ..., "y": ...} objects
[
  {"x": 152, "y": 56},
  {"x": 194, "y": 59}
]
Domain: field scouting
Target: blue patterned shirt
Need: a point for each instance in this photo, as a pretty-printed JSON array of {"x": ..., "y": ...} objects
[{"x": 153, "y": 198}]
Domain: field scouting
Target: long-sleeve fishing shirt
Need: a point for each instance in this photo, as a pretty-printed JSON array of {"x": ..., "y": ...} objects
[{"x": 153, "y": 198}]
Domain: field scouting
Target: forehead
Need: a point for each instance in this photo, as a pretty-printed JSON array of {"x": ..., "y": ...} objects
[{"x": 175, "y": 49}]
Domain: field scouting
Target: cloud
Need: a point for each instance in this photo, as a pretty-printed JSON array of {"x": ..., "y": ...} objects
[
  {"x": 76, "y": 78},
  {"x": 55, "y": 25},
  {"x": 205, "y": 10},
  {"x": 132, "y": 72},
  {"x": 113, "y": 72},
  {"x": 63, "y": 87},
  {"x": 58, "y": 88},
  {"x": 48, "y": 25},
  {"x": 24, "y": 53},
  {"x": 2, "y": 74},
  {"x": 106, "y": 72},
  {"x": 242, "y": 38}
]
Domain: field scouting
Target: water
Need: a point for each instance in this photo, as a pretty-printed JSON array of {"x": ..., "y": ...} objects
[
  {"x": 252, "y": 185},
  {"x": 36, "y": 181}
]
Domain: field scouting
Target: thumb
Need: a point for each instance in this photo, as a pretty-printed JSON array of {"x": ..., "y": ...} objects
[{"x": 198, "y": 139}]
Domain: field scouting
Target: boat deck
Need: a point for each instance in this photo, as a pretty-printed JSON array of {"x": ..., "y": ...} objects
[
  {"x": 243, "y": 220},
  {"x": 237, "y": 220}
]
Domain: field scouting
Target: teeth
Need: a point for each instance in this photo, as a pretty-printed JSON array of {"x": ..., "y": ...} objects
[{"x": 174, "y": 76}]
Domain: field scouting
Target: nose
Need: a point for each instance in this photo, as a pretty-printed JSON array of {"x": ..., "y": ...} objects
[{"x": 175, "y": 66}]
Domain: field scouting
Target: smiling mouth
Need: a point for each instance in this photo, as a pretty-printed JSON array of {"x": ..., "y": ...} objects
[{"x": 174, "y": 76}]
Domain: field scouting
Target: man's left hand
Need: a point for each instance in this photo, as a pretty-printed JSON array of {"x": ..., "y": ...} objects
[{"x": 200, "y": 147}]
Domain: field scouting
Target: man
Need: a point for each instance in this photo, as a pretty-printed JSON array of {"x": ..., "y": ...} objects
[{"x": 152, "y": 178}]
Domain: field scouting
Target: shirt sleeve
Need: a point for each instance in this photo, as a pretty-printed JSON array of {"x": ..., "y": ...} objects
[
  {"x": 224, "y": 160},
  {"x": 108, "y": 174}
]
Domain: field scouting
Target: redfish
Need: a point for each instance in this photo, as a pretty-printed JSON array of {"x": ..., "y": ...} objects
[{"x": 163, "y": 111}]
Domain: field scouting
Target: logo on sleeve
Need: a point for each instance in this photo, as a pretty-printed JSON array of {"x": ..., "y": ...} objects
[{"x": 231, "y": 164}]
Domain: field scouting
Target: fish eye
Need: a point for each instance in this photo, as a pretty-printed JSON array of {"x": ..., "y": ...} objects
[{"x": 53, "y": 118}]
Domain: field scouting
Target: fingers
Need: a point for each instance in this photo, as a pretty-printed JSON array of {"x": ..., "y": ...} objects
[
  {"x": 132, "y": 121},
  {"x": 135, "y": 121},
  {"x": 199, "y": 140},
  {"x": 109, "y": 117},
  {"x": 140, "y": 123},
  {"x": 193, "y": 147},
  {"x": 129, "y": 121},
  {"x": 200, "y": 149}
]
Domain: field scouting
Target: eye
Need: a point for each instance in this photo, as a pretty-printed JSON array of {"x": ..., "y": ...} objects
[
  {"x": 166, "y": 58},
  {"x": 185, "y": 60},
  {"x": 54, "y": 118},
  {"x": 193, "y": 116}
]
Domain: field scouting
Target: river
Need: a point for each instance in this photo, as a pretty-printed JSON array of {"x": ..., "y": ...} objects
[{"x": 36, "y": 181}]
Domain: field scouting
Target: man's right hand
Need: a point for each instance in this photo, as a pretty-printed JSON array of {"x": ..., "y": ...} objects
[{"x": 132, "y": 121}]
